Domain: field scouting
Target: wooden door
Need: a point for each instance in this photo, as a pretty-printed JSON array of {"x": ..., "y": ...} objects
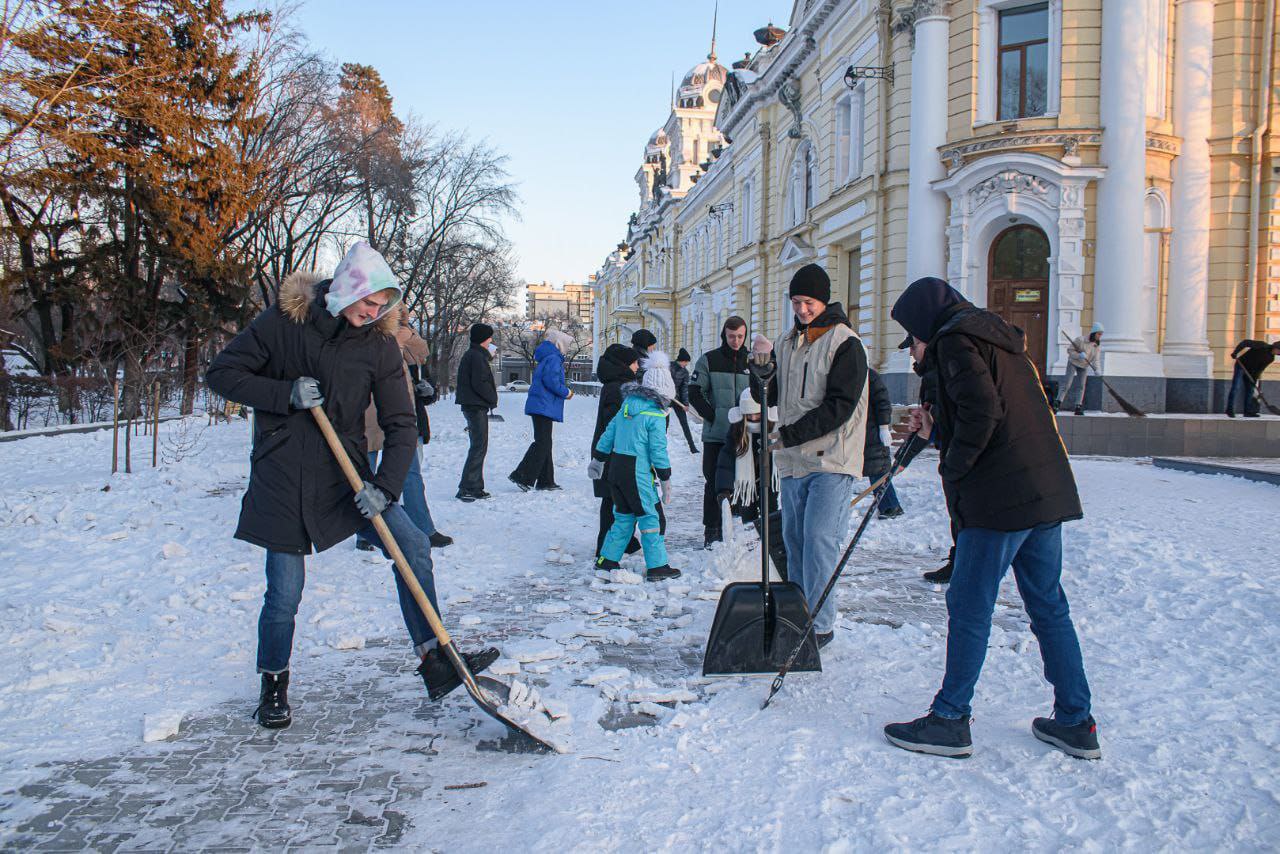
[{"x": 1018, "y": 285}]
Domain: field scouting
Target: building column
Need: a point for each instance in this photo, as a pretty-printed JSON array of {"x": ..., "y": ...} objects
[
  {"x": 1186, "y": 344},
  {"x": 927, "y": 207},
  {"x": 1118, "y": 270}
]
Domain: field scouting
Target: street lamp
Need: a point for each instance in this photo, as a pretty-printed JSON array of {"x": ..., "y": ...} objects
[{"x": 854, "y": 73}]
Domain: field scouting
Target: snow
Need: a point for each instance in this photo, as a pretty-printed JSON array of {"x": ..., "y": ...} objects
[{"x": 124, "y": 611}]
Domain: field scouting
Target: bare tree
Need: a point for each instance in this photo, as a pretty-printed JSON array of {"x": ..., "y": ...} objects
[{"x": 472, "y": 280}]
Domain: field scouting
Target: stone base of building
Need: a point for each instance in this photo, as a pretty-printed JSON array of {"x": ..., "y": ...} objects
[
  {"x": 1170, "y": 436},
  {"x": 1153, "y": 395}
]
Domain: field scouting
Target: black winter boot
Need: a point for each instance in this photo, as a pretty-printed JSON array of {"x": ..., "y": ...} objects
[
  {"x": 941, "y": 575},
  {"x": 439, "y": 540},
  {"x": 933, "y": 734},
  {"x": 711, "y": 536},
  {"x": 661, "y": 573},
  {"x": 604, "y": 563},
  {"x": 440, "y": 675},
  {"x": 273, "y": 705},
  {"x": 1080, "y": 741}
]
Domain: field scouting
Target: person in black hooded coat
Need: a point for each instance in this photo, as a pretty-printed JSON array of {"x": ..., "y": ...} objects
[{"x": 1009, "y": 488}]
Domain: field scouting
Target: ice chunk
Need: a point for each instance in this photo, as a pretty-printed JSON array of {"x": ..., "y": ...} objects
[
  {"x": 504, "y": 667},
  {"x": 624, "y": 576},
  {"x": 653, "y": 710},
  {"x": 158, "y": 726},
  {"x": 347, "y": 642},
  {"x": 551, "y": 608},
  {"x": 661, "y": 695},
  {"x": 529, "y": 651},
  {"x": 606, "y": 674},
  {"x": 469, "y": 620},
  {"x": 173, "y": 550}
]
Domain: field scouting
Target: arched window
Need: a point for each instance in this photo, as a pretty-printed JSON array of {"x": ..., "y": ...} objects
[
  {"x": 849, "y": 133},
  {"x": 800, "y": 186}
]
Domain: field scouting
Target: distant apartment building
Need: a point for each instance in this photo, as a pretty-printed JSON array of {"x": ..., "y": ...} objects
[{"x": 570, "y": 299}]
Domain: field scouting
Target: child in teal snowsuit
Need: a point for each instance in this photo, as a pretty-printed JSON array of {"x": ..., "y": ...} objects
[{"x": 635, "y": 446}]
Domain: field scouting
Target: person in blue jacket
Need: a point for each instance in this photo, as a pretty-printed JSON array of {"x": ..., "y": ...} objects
[
  {"x": 635, "y": 446},
  {"x": 545, "y": 404}
]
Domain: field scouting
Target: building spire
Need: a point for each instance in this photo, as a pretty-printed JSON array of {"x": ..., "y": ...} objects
[
  {"x": 715, "y": 16},
  {"x": 673, "y": 90}
]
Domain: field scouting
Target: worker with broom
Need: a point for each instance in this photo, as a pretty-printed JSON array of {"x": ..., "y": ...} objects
[
  {"x": 327, "y": 343},
  {"x": 1251, "y": 358},
  {"x": 1009, "y": 488}
]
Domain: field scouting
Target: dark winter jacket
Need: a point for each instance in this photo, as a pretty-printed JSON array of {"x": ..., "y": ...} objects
[
  {"x": 1002, "y": 462},
  {"x": 929, "y": 399},
  {"x": 547, "y": 390},
  {"x": 418, "y": 373},
  {"x": 613, "y": 370},
  {"x": 680, "y": 376},
  {"x": 876, "y": 456},
  {"x": 475, "y": 379},
  {"x": 717, "y": 382},
  {"x": 298, "y": 497},
  {"x": 1257, "y": 356}
]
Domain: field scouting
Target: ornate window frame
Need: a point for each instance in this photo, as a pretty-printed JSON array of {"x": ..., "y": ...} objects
[{"x": 989, "y": 59}]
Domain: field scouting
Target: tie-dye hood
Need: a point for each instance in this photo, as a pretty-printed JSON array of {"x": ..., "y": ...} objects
[{"x": 362, "y": 272}]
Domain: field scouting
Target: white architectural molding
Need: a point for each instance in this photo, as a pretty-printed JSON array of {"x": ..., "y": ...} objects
[
  {"x": 1118, "y": 283},
  {"x": 1186, "y": 341},
  {"x": 926, "y": 207},
  {"x": 994, "y": 193},
  {"x": 989, "y": 50}
]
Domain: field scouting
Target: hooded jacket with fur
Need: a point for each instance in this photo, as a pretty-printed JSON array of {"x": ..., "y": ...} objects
[{"x": 298, "y": 498}]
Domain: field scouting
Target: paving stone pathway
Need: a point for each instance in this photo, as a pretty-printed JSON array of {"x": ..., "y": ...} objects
[{"x": 367, "y": 750}]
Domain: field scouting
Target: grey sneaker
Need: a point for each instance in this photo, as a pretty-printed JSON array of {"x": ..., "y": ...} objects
[
  {"x": 1080, "y": 741},
  {"x": 933, "y": 734}
]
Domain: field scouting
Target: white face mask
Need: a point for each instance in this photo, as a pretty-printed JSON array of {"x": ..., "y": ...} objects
[{"x": 752, "y": 426}]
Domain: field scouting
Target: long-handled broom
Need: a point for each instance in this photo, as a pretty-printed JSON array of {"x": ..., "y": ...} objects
[{"x": 1130, "y": 410}]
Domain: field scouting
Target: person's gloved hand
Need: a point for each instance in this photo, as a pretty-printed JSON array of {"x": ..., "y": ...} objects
[
  {"x": 371, "y": 501},
  {"x": 761, "y": 344},
  {"x": 424, "y": 388},
  {"x": 666, "y": 492},
  {"x": 305, "y": 393},
  {"x": 595, "y": 469},
  {"x": 886, "y": 436}
]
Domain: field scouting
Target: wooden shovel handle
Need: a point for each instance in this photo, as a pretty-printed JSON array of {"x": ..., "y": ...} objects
[
  {"x": 870, "y": 489},
  {"x": 402, "y": 564}
]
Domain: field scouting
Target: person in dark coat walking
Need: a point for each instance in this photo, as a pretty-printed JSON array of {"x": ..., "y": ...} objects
[
  {"x": 1009, "y": 488},
  {"x": 876, "y": 453},
  {"x": 680, "y": 375},
  {"x": 545, "y": 405},
  {"x": 1246, "y": 379},
  {"x": 477, "y": 393},
  {"x": 330, "y": 343},
  {"x": 618, "y": 366},
  {"x": 718, "y": 380}
]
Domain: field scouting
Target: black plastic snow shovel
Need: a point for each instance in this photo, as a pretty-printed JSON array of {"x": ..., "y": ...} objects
[
  {"x": 789, "y": 663},
  {"x": 519, "y": 739},
  {"x": 758, "y": 624}
]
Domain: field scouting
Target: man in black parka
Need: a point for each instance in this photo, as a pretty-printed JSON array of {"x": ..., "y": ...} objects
[
  {"x": 330, "y": 343},
  {"x": 1009, "y": 488},
  {"x": 477, "y": 394}
]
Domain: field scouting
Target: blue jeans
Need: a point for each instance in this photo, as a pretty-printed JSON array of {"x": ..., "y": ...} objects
[
  {"x": 1242, "y": 385},
  {"x": 413, "y": 496},
  {"x": 982, "y": 556},
  {"x": 889, "y": 499},
  {"x": 286, "y": 573},
  {"x": 815, "y": 523}
]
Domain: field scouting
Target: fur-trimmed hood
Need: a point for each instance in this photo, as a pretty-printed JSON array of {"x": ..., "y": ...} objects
[
  {"x": 302, "y": 288},
  {"x": 634, "y": 389}
]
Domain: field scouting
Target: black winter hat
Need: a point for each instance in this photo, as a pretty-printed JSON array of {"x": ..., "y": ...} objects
[
  {"x": 683, "y": 356},
  {"x": 811, "y": 281},
  {"x": 643, "y": 339},
  {"x": 480, "y": 333},
  {"x": 922, "y": 304},
  {"x": 621, "y": 354}
]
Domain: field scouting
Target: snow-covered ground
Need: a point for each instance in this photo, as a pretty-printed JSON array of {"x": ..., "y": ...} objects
[{"x": 131, "y": 601}]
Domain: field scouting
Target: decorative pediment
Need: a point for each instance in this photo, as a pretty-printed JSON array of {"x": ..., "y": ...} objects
[
  {"x": 1009, "y": 181},
  {"x": 795, "y": 250}
]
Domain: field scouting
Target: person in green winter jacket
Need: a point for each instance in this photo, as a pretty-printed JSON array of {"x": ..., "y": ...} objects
[
  {"x": 719, "y": 378},
  {"x": 635, "y": 446}
]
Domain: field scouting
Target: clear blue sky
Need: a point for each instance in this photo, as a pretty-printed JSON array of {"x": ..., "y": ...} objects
[{"x": 569, "y": 90}]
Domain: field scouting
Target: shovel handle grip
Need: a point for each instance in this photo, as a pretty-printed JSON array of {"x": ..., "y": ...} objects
[{"x": 379, "y": 525}]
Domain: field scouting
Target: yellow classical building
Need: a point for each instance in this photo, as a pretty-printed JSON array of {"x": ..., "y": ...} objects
[{"x": 1061, "y": 162}]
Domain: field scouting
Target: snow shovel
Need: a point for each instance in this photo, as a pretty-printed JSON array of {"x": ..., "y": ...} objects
[
  {"x": 522, "y": 740},
  {"x": 797, "y": 654},
  {"x": 758, "y": 623}
]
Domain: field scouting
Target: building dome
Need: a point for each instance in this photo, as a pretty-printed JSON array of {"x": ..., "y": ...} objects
[
  {"x": 658, "y": 139},
  {"x": 705, "y": 72}
]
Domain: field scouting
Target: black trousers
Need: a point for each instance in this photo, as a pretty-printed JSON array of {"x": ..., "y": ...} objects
[
  {"x": 538, "y": 466},
  {"x": 684, "y": 425},
  {"x": 710, "y": 506},
  {"x": 478, "y": 430},
  {"x": 606, "y": 522}
]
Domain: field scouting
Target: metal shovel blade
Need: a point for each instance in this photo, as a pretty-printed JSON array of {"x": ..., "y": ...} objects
[
  {"x": 518, "y": 739},
  {"x": 749, "y": 637}
]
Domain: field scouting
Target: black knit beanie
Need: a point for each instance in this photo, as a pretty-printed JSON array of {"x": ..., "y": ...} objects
[
  {"x": 683, "y": 356},
  {"x": 480, "y": 333},
  {"x": 811, "y": 281},
  {"x": 643, "y": 339}
]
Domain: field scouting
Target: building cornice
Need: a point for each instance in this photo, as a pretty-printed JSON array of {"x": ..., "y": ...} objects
[{"x": 1069, "y": 140}]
